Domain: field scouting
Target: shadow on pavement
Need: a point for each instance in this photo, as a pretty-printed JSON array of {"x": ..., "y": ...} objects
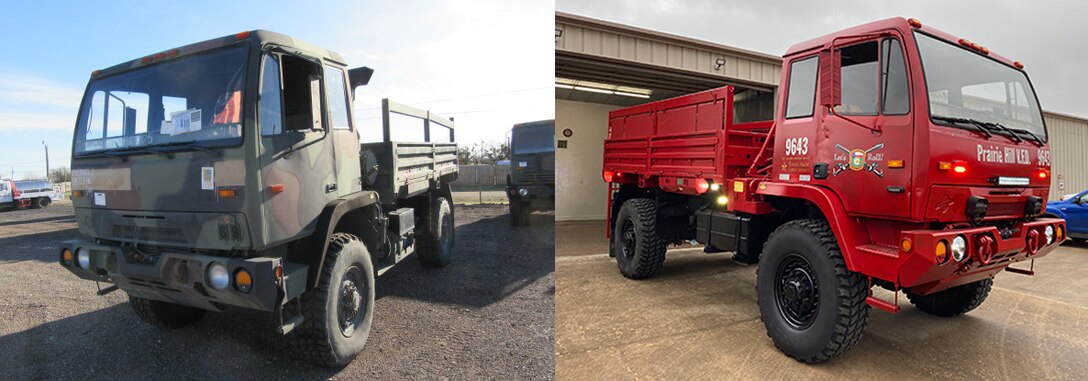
[{"x": 492, "y": 260}]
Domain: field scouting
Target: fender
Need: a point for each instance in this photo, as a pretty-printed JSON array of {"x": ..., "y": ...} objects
[
  {"x": 327, "y": 221},
  {"x": 848, "y": 234}
]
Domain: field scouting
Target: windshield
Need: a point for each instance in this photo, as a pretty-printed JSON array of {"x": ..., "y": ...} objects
[
  {"x": 964, "y": 84},
  {"x": 192, "y": 99},
  {"x": 534, "y": 139}
]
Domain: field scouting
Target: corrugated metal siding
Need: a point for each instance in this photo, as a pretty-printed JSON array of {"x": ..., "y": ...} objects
[
  {"x": 1069, "y": 154},
  {"x": 648, "y": 50}
]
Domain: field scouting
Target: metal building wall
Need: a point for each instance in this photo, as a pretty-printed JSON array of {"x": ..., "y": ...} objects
[{"x": 1068, "y": 152}]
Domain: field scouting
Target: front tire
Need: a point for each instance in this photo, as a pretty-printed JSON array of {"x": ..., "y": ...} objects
[
  {"x": 812, "y": 306},
  {"x": 164, "y": 314},
  {"x": 436, "y": 234},
  {"x": 955, "y": 301},
  {"x": 640, "y": 252},
  {"x": 519, "y": 215},
  {"x": 339, "y": 312}
]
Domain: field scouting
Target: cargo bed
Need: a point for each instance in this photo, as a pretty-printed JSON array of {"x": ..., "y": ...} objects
[
  {"x": 675, "y": 141},
  {"x": 408, "y": 169}
]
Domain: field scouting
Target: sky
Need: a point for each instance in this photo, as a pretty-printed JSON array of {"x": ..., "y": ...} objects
[
  {"x": 1047, "y": 36},
  {"x": 489, "y": 64}
]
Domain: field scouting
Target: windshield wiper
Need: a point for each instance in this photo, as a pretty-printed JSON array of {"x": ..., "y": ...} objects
[
  {"x": 123, "y": 153},
  {"x": 185, "y": 145},
  {"x": 1002, "y": 127},
  {"x": 1033, "y": 136},
  {"x": 978, "y": 125},
  {"x": 102, "y": 154}
]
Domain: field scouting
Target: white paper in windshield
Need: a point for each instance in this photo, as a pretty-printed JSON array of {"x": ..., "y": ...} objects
[{"x": 185, "y": 121}]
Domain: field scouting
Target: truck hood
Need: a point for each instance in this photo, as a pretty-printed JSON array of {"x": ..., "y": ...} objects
[{"x": 188, "y": 182}]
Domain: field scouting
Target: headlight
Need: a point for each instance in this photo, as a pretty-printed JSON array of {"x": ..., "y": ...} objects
[
  {"x": 959, "y": 248},
  {"x": 523, "y": 192},
  {"x": 1049, "y": 234},
  {"x": 218, "y": 276},
  {"x": 84, "y": 258}
]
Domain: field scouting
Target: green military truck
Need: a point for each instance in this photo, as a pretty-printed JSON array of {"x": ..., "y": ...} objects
[
  {"x": 230, "y": 173},
  {"x": 530, "y": 186}
]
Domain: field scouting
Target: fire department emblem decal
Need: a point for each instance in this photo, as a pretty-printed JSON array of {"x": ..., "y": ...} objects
[{"x": 858, "y": 160}]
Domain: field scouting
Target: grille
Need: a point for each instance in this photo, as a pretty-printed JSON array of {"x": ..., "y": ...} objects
[
  {"x": 148, "y": 234},
  {"x": 534, "y": 178}
]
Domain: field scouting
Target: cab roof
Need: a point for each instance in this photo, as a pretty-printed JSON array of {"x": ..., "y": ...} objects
[
  {"x": 897, "y": 23},
  {"x": 257, "y": 37}
]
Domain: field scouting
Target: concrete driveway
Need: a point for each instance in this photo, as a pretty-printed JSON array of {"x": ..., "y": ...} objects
[{"x": 698, "y": 319}]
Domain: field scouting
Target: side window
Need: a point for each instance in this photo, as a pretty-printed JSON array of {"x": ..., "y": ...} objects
[
  {"x": 859, "y": 79},
  {"x": 271, "y": 114},
  {"x": 338, "y": 98},
  {"x": 896, "y": 90},
  {"x": 802, "y": 96},
  {"x": 300, "y": 83}
]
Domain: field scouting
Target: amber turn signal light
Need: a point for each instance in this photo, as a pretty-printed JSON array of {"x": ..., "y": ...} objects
[
  {"x": 906, "y": 245},
  {"x": 277, "y": 188},
  {"x": 227, "y": 193},
  {"x": 941, "y": 252},
  {"x": 66, "y": 257},
  {"x": 243, "y": 281},
  {"x": 76, "y": 193}
]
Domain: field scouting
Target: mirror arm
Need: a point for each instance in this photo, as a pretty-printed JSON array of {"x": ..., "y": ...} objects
[{"x": 831, "y": 110}]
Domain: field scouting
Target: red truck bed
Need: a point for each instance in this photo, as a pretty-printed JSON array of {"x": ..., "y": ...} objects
[{"x": 675, "y": 143}]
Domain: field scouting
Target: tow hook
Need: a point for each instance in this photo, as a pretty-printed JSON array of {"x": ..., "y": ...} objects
[{"x": 107, "y": 290}]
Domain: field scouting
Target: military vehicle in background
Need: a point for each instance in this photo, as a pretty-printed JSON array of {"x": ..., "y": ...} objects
[
  {"x": 530, "y": 186},
  {"x": 230, "y": 173},
  {"x": 40, "y": 193}
]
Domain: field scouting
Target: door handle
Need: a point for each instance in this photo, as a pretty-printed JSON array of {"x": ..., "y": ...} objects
[{"x": 330, "y": 188}]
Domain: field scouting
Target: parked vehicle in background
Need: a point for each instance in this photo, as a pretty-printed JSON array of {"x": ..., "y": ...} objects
[
  {"x": 1074, "y": 210},
  {"x": 39, "y": 192},
  {"x": 229, "y": 173},
  {"x": 884, "y": 165},
  {"x": 530, "y": 186},
  {"x": 10, "y": 197}
]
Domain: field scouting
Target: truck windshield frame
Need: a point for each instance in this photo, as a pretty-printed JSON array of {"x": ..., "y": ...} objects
[
  {"x": 963, "y": 84},
  {"x": 190, "y": 101}
]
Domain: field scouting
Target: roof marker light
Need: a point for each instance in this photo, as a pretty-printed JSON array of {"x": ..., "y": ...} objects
[
  {"x": 1018, "y": 65},
  {"x": 914, "y": 22},
  {"x": 242, "y": 35}
]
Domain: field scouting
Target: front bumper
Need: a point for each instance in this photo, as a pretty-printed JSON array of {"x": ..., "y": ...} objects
[
  {"x": 538, "y": 195},
  {"x": 181, "y": 278},
  {"x": 987, "y": 254}
]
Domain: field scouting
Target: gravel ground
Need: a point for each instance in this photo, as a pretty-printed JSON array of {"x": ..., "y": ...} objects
[{"x": 489, "y": 315}]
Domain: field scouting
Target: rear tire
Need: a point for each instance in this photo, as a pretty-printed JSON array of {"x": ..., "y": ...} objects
[
  {"x": 640, "y": 252},
  {"x": 519, "y": 216},
  {"x": 955, "y": 301},
  {"x": 339, "y": 312},
  {"x": 41, "y": 203},
  {"x": 812, "y": 306},
  {"x": 436, "y": 234},
  {"x": 164, "y": 314}
]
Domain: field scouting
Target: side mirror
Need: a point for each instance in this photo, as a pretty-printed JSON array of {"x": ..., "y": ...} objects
[
  {"x": 315, "y": 102},
  {"x": 359, "y": 76},
  {"x": 830, "y": 84}
]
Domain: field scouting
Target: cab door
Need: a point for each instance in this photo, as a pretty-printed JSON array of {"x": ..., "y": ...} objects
[
  {"x": 296, "y": 150},
  {"x": 344, "y": 136},
  {"x": 870, "y": 135}
]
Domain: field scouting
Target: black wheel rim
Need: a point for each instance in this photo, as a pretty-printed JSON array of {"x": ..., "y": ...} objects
[
  {"x": 627, "y": 239},
  {"x": 797, "y": 291},
  {"x": 352, "y": 300}
]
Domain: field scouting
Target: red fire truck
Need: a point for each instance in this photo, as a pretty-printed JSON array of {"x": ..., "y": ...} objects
[{"x": 899, "y": 156}]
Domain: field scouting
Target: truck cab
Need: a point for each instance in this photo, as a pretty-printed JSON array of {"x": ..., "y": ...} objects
[
  {"x": 229, "y": 172},
  {"x": 530, "y": 185}
]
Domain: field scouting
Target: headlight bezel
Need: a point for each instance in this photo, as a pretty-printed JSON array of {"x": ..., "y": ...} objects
[
  {"x": 1049, "y": 233},
  {"x": 217, "y": 274},
  {"x": 958, "y": 248}
]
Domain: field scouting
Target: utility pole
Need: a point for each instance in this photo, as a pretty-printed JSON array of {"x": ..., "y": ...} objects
[{"x": 46, "y": 159}]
